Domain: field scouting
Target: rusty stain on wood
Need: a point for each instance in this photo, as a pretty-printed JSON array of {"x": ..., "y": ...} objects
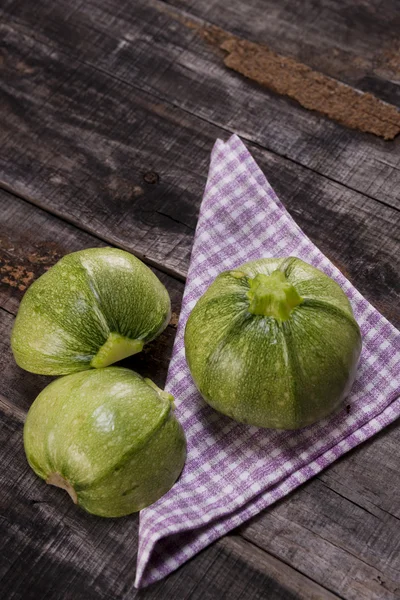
[
  {"x": 18, "y": 271},
  {"x": 390, "y": 58},
  {"x": 311, "y": 89},
  {"x": 16, "y": 276}
]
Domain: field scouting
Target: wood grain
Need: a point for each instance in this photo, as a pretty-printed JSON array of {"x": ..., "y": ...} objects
[
  {"x": 31, "y": 241},
  {"x": 340, "y": 518},
  {"x": 50, "y": 549},
  {"x": 89, "y": 166},
  {"x": 355, "y": 42},
  {"x": 153, "y": 47},
  {"x": 110, "y": 111}
]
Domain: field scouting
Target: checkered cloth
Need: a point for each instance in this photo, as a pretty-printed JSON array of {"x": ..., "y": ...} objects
[{"x": 234, "y": 471}]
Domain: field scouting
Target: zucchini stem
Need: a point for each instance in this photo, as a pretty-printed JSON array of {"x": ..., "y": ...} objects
[
  {"x": 115, "y": 348},
  {"x": 162, "y": 393},
  {"x": 272, "y": 296},
  {"x": 59, "y": 481}
]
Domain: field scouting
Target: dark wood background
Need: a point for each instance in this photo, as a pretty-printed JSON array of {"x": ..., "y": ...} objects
[{"x": 109, "y": 111}]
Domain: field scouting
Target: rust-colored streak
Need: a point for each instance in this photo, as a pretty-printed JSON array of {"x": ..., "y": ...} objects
[
  {"x": 291, "y": 78},
  {"x": 311, "y": 89},
  {"x": 18, "y": 271},
  {"x": 16, "y": 276}
]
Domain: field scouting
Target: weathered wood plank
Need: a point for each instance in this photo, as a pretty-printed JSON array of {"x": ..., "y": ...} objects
[
  {"x": 373, "y": 488},
  {"x": 311, "y": 89},
  {"x": 51, "y": 549},
  {"x": 151, "y": 46},
  {"x": 31, "y": 241},
  {"x": 282, "y": 573},
  {"x": 98, "y": 137},
  {"x": 320, "y": 533},
  {"x": 311, "y": 213},
  {"x": 355, "y": 42},
  {"x": 331, "y": 517}
]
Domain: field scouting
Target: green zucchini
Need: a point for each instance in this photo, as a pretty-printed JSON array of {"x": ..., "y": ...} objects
[
  {"x": 108, "y": 437},
  {"x": 91, "y": 309},
  {"x": 273, "y": 343}
]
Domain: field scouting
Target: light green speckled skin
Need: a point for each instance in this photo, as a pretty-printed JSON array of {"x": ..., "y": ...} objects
[
  {"x": 111, "y": 435},
  {"x": 69, "y": 312},
  {"x": 264, "y": 372}
]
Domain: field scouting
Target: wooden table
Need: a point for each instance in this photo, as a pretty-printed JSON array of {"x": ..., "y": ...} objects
[{"x": 109, "y": 111}]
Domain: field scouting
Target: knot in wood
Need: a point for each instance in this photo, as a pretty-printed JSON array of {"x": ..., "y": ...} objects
[{"x": 151, "y": 177}]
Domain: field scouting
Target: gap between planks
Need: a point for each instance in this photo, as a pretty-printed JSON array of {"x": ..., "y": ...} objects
[
  {"x": 241, "y": 546},
  {"x": 103, "y": 238}
]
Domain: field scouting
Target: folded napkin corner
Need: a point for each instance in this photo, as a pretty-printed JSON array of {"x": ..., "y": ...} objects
[{"x": 234, "y": 471}]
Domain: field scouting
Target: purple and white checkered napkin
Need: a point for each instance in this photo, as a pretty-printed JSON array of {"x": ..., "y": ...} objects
[{"x": 234, "y": 471}]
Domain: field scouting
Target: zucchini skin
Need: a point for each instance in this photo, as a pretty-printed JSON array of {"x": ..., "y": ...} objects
[
  {"x": 269, "y": 373},
  {"x": 70, "y": 312}
]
